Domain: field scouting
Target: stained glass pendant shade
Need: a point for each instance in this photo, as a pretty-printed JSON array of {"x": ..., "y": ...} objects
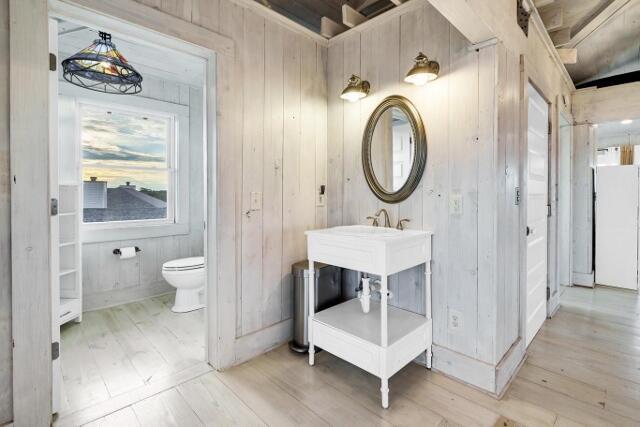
[{"x": 102, "y": 68}]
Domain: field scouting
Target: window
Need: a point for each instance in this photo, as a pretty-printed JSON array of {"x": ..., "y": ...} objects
[{"x": 128, "y": 168}]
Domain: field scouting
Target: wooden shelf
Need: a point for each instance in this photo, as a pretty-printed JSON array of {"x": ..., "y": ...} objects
[
  {"x": 70, "y": 308},
  {"x": 65, "y": 244},
  {"x": 67, "y": 271},
  {"x": 67, "y": 213},
  {"x": 349, "y": 318}
]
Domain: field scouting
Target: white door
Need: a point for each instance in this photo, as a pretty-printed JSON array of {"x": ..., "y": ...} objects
[
  {"x": 402, "y": 154},
  {"x": 537, "y": 200},
  {"x": 617, "y": 226},
  {"x": 56, "y": 371}
]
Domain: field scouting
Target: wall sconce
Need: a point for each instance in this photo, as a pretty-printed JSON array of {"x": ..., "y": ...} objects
[
  {"x": 423, "y": 71},
  {"x": 356, "y": 89}
]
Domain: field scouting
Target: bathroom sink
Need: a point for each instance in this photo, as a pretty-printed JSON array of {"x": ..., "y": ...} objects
[{"x": 375, "y": 250}]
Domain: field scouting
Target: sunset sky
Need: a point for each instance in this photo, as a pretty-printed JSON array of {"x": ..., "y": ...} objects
[{"x": 119, "y": 147}]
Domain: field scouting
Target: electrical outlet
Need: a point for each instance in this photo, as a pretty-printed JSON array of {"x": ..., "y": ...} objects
[
  {"x": 455, "y": 320},
  {"x": 455, "y": 204},
  {"x": 256, "y": 201}
]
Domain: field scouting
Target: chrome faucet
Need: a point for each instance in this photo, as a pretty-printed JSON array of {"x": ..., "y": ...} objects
[{"x": 387, "y": 223}]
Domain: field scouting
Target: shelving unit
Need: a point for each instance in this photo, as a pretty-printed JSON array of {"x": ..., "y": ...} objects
[
  {"x": 386, "y": 338},
  {"x": 70, "y": 254}
]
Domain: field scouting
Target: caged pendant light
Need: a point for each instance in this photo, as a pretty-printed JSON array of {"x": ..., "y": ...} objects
[{"x": 100, "y": 67}]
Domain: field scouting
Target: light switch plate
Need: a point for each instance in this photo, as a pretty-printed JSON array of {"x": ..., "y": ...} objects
[
  {"x": 256, "y": 201},
  {"x": 320, "y": 199}
]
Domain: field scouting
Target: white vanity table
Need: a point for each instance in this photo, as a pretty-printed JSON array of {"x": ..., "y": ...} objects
[{"x": 387, "y": 338}]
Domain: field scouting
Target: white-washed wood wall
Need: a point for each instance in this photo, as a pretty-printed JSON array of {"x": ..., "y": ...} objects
[
  {"x": 109, "y": 281},
  {"x": 271, "y": 140},
  {"x": 5, "y": 224},
  {"x": 475, "y": 257}
]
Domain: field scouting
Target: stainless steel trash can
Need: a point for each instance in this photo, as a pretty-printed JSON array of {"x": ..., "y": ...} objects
[{"x": 328, "y": 292}]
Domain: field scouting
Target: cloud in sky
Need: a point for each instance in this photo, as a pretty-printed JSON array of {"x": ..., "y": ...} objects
[{"x": 119, "y": 147}]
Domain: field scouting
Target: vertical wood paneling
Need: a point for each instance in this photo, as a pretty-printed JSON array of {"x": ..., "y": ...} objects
[
  {"x": 252, "y": 167},
  {"x": 582, "y": 190},
  {"x": 29, "y": 142},
  {"x": 488, "y": 176},
  {"x": 272, "y": 197},
  {"x": 229, "y": 181},
  {"x": 463, "y": 174},
  {"x": 352, "y": 135},
  {"x": 290, "y": 167},
  {"x": 335, "y": 129},
  {"x": 320, "y": 109},
  {"x": 206, "y": 13},
  {"x": 436, "y": 179},
  {"x": 5, "y": 226}
]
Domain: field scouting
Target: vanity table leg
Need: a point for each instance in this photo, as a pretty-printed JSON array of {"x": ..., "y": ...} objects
[
  {"x": 311, "y": 298},
  {"x": 384, "y": 379},
  {"x": 427, "y": 292}
]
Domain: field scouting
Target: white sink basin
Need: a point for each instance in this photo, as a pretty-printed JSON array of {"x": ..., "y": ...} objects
[
  {"x": 375, "y": 250},
  {"x": 365, "y": 230}
]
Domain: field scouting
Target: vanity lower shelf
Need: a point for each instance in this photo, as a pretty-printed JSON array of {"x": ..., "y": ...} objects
[{"x": 345, "y": 331}]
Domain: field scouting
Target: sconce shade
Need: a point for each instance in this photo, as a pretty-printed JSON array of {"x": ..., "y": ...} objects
[
  {"x": 356, "y": 89},
  {"x": 100, "y": 67},
  {"x": 423, "y": 71}
]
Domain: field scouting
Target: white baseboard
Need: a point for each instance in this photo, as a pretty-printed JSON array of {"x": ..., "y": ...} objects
[
  {"x": 492, "y": 379},
  {"x": 260, "y": 342},
  {"x": 583, "y": 279},
  {"x": 97, "y": 301}
]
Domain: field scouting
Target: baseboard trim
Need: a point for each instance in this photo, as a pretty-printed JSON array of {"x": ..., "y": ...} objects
[
  {"x": 509, "y": 366},
  {"x": 256, "y": 343},
  {"x": 113, "y": 298},
  {"x": 583, "y": 279},
  {"x": 102, "y": 409}
]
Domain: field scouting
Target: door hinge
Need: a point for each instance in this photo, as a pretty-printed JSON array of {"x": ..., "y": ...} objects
[
  {"x": 548, "y": 294},
  {"x": 54, "y": 207},
  {"x": 549, "y": 211},
  {"x": 55, "y": 350},
  {"x": 517, "y": 195},
  {"x": 53, "y": 62}
]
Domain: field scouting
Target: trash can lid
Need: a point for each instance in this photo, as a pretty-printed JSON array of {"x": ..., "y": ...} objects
[{"x": 300, "y": 267}]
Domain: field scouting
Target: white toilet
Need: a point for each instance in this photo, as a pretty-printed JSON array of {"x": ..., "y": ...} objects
[{"x": 187, "y": 276}]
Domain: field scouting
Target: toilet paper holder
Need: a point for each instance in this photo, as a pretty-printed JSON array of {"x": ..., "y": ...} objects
[{"x": 116, "y": 251}]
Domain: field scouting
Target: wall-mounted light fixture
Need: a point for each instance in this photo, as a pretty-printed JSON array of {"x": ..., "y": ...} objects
[
  {"x": 626, "y": 121},
  {"x": 423, "y": 71},
  {"x": 356, "y": 89}
]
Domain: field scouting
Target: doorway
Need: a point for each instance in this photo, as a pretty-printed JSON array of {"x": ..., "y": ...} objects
[
  {"x": 537, "y": 212},
  {"x": 128, "y": 174}
]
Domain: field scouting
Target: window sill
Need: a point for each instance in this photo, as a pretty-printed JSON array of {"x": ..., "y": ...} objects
[{"x": 93, "y": 234}]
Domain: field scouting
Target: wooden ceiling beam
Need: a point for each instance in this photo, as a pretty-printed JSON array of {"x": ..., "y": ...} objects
[
  {"x": 542, "y": 3},
  {"x": 561, "y": 37},
  {"x": 568, "y": 55},
  {"x": 397, "y": 2},
  {"x": 351, "y": 17},
  {"x": 330, "y": 28},
  {"x": 552, "y": 17},
  {"x": 597, "y": 20}
]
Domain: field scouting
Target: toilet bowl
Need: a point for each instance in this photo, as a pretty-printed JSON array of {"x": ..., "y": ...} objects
[{"x": 187, "y": 276}]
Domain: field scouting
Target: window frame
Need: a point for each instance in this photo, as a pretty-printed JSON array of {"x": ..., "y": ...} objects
[{"x": 177, "y": 221}]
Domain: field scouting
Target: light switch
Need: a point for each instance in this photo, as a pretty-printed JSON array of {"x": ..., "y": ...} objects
[
  {"x": 320, "y": 197},
  {"x": 256, "y": 201},
  {"x": 455, "y": 204}
]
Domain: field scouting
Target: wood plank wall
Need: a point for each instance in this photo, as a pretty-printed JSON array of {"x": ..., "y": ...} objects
[
  {"x": 109, "y": 281},
  {"x": 475, "y": 262},
  {"x": 5, "y": 224},
  {"x": 272, "y": 140}
]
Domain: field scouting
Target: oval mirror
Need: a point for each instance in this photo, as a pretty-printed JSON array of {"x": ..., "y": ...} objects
[{"x": 394, "y": 149}]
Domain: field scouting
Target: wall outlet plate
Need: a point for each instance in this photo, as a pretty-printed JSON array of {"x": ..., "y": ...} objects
[{"x": 455, "y": 321}]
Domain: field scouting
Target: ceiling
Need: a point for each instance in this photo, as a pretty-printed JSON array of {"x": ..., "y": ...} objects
[
  {"x": 148, "y": 60},
  {"x": 605, "y": 34},
  {"x": 615, "y": 133},
  {"x": 309, "y": 12}
]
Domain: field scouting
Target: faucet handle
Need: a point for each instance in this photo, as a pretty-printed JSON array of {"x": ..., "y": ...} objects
[
  {"x": 400, "y": 225},
  {"x": 375, "y": 220}
]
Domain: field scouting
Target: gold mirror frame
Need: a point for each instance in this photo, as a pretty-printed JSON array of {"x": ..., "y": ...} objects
[{"x": 419, "y": 160}]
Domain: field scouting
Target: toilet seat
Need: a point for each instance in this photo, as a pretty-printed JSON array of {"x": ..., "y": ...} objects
[{"x": 184, "y": 264}]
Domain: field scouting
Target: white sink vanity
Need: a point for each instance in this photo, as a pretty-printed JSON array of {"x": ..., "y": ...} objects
[{"x": 386, "y": 338}]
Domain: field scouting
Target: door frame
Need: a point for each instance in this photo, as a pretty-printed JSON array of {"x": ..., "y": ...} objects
[
  {"x": 528, "y": 76},
  {"x": 29, "y": 145}
]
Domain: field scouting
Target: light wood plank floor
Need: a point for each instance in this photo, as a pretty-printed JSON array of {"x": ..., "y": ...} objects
[
  {"x": 117, "y": 350},
  {"x": 583, "y": 369}
]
